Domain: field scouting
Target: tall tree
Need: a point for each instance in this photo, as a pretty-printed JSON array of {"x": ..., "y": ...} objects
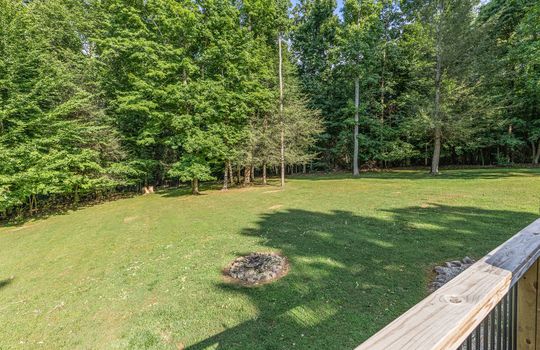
[
  {"x": 55, "y": 140},
  {"x": 358, "y": 43}
]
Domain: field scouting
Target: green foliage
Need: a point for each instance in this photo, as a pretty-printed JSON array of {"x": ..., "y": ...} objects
[
  {"x": 54, "y": 137},
  {"x": 97, "y": 96}
]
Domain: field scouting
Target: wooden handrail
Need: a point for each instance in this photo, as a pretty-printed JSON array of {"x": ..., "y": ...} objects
[{"x": 445, "y": 318}]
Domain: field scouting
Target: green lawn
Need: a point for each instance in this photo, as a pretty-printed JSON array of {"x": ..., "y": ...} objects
[{"x": 145, "y": 272}]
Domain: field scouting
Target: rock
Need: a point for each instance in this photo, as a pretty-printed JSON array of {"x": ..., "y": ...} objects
[
  {"x": 456, "y": 263},
  {"x": 449, "y": 270}
]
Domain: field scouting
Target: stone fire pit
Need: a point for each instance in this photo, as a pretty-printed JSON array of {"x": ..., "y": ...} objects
[{"x": 257, "y": 268}]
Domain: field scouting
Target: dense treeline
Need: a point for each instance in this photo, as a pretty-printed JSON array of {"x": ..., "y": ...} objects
[
  {"x": 438, "y": 80},
  {"x": 101, "y": 96}
]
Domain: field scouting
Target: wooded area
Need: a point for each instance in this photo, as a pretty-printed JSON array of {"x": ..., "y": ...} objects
[{"x": 102, "y": 96}]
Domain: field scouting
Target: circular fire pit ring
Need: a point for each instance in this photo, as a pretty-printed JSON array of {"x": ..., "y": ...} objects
[{"x": 256, "y": 268}]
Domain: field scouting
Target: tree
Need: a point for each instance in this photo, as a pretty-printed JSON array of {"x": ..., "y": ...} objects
[
  {"x": 315, "y": 50},
  {"x": 55, "y": 140},
  {"x": 434, "y": 27},
  {"x": 507, "y": 67},
  {"x": 358, "y": 43}
]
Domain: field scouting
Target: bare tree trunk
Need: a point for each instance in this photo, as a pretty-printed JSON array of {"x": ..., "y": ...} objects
[
  {"x": 382, "y": 85},
  {"x": 238, "y": 174},
  {"x": 356, "y": 170},
  {"x": 509, "y": 149},
  {"x": 482, "y": 157},
  {"x": 195, "y": 186},
  {"x": 438, "y": 131},
  {"x": 226, "y": 177},
  {"x": 537, "y": 153},
  {"x": 436, "y": 151},
  {"x": 247, "y": 175},
  {"x": 252, "y": 173},
  {"x": 231, "y": 177},
  {"x": 304, "y": 168},
  {"x": 76, "y": 195},
  {"x": 281, "y": 116},
  {"x": 264, "y": 174}
]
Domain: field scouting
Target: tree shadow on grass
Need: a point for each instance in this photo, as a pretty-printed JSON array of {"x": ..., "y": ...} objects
[
  {"x": 5, "y": 282},
  {"x": 351, "y": 275}
]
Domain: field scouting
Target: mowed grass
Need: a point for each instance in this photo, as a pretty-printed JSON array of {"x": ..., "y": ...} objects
[{"x": 145, "y": 272}]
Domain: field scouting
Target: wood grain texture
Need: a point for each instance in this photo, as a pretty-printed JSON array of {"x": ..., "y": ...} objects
[
  {"x": 527, "y": 312},
  {"x": 445, "y": 318}
]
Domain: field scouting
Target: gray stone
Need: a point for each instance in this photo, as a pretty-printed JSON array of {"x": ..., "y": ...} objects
[{"x": 448, "y": 271}]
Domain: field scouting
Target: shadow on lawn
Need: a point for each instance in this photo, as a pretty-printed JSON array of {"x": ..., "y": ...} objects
[
  {"x": 5, "y": 282},
  {"x": 351, "y": 275}
]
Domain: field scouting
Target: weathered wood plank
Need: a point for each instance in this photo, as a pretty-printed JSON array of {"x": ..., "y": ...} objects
[
  {"x": 446, "y": 317},
  {"x": 527, "y": 309}
]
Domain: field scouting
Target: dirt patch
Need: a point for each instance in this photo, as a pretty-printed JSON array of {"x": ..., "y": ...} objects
[
  {"x": 129, "y": 219},
  {"x": 274, "y": 207}
]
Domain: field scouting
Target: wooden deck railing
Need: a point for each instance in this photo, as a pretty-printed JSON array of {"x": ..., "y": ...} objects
[{"x": 490, "y": 306}]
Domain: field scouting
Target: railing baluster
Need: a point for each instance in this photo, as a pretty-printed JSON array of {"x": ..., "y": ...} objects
[
  {"x": 510, "y": 318},
  {"x": 514, "y": 330},
  {"x": 477, "y": 346},
  {"x": 499, "y": 325},
  {"x": 486, "y": 333},
  {"x": 492, "y": 335},
  {"x": 505, "y": 322}
]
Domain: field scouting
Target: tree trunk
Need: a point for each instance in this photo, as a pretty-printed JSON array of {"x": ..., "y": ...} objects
[
  {"x": 281, "y": 116},
  {"x": 356, "y": 170},
  {"x": 247, "y": 175},
  {"x": 437, "y": 116},
  {"x": 382, "y": 86},
  {"x": 76, "y": 195},
  {"x": 195, "y": 186},
  {"x": 252, "y": 173},
  {"x": 226, "y": 177},
  {"x": 436, "y": 151},
  {"x": 231, "y": 177},
  {"x": 509, "y": 149},
  {"x": 238, "y": 174},
  {"x": 304, "y": 168},
  {"x": 264, "y": 174},
  {"x": 537, "y": 154},
  {"x": 482, "y": 157}
]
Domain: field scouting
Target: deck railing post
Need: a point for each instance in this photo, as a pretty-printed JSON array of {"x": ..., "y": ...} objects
[{"x": 527, "y": 312}]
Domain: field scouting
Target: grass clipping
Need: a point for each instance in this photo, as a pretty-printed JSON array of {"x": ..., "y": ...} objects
[{"x": 256, "y": 268}]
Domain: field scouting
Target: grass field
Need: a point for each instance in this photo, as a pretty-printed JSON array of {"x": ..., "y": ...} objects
[{"x": 145, "y": 272}]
